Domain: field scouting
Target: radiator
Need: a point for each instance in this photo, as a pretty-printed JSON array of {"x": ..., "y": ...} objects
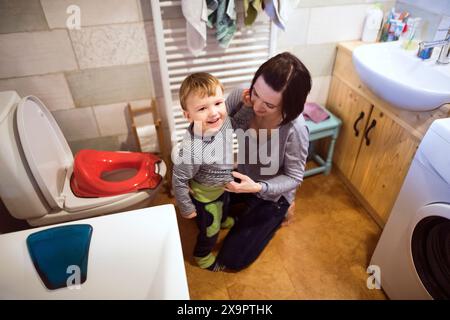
[{"x": 234, "y": 66}]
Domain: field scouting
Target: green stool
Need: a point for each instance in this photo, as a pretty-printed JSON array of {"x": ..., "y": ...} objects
[{"x": 327, "y": 128}]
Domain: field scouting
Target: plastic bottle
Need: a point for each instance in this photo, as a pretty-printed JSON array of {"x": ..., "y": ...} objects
[{"x": 372, "y": 24}]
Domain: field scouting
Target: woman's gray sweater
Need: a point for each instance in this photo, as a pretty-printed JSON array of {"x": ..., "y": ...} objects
[{"x": 280, "y": 171}]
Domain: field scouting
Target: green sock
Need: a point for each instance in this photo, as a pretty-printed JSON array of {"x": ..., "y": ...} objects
[
  {"x": 206, "y": 261},
  {"x": 228, "y": 223}
]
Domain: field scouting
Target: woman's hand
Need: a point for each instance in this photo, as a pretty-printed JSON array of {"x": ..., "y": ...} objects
[
  {"x": 246, "y": 98},
  {"x": 247, "y": 185}
]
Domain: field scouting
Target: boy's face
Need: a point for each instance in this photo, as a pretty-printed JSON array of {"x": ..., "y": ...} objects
[{"x": 207, "y": 112}]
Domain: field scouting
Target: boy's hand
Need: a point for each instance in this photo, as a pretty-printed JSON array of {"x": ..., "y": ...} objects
[
  {"x": 246, "y": 99},
  {"x": 190, "y": 216}
]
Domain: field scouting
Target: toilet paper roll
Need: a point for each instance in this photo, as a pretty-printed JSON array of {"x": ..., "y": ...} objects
[{"x": 148, "y": 139}]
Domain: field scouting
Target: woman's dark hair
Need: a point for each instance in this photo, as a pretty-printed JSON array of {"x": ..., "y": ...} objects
[{"x": 287, "y": 74}]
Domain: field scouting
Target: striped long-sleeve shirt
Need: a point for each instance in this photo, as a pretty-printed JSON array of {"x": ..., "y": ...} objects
[{"x": 207, "y": 160}]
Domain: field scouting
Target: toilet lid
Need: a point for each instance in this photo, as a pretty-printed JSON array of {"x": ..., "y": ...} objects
[{"x": 46, "y": 150}]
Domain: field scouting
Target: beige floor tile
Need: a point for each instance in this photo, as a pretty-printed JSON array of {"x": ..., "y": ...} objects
[
  {"x": 266, "y": 278},
  {"x": 204, "y": 284},
  {"x": 328, "y": 248}
]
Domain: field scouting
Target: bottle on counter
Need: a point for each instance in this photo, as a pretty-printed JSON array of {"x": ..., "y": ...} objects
[
  {"x": 372, "y": 24},
  {"x": 411, "y": 35}
]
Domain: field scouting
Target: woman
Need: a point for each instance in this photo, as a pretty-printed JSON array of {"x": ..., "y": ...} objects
[{"x": 277, "y": 94}]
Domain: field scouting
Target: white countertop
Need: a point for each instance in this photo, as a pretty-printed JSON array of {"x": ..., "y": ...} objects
[{"x": 133, "y": 255}]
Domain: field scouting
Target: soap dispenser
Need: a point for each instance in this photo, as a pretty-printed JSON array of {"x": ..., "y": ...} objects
[{"x": 372, "y": 24}]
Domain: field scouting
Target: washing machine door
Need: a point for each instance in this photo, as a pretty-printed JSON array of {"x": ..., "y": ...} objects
[
  {"x": 430, "y": 248},
  {"x": 46, "y": 150}
]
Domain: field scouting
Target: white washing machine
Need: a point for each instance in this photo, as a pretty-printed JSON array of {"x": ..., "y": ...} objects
[{"x": 413, "y": 253}]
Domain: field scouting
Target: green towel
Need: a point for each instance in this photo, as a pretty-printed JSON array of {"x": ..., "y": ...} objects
[
  {"x": 251, "y": 8},
  {"x": 222, "y": 16}
]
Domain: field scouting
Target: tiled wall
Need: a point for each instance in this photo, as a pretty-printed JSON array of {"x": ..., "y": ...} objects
[
  {"x": 313, "y": 29},
  {"x": 435, "y": 15},
  {"x": 85, "y": 77}
]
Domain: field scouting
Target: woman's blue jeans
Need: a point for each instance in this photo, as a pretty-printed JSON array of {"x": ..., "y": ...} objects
[{"x": 253, "y": 229}]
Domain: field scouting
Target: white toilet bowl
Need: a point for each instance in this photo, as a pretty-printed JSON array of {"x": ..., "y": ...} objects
[{"x": 36, "y": 164}]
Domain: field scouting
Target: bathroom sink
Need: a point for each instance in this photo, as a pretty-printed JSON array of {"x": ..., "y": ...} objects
[{"x": 401, "y": 78}]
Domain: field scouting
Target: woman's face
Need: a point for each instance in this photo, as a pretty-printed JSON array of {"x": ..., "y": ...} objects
[{"x": 266, "y": 101}]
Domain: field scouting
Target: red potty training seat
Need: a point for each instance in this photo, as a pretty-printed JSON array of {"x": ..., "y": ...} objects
[{"x": 86, "y": 180}]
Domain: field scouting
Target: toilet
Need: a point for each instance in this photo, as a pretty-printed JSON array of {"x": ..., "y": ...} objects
[{"x": 36, "y": 170}]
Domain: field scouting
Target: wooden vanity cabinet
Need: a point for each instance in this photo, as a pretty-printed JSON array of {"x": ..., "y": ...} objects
[{"x": 373, "y": 152}]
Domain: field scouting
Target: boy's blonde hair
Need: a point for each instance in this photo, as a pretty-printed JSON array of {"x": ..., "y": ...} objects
[{"x": 201, "y": 83}]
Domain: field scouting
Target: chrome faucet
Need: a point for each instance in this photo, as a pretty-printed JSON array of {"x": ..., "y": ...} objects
[{"x": 445, "y": 44}]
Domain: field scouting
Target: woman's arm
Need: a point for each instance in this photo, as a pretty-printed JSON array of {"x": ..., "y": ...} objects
[
  {"x": 293, "y": 166},
  {"x": 234, "y": 102},
  {"x": 246, "y": 185}
]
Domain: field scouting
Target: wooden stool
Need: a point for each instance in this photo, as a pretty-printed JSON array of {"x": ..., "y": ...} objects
[
  {"x": 142, "y": 119},
  {"x": 326, "y": 128}
]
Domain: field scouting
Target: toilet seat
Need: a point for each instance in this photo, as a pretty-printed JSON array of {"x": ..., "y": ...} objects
[
  {"x": 89, "y": 165},
  {"x": 46, "y": 150},
  {"x": 51, "y": 165}
]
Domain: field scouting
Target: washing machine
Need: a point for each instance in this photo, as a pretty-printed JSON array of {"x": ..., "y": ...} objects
[{"x": 413, "y": 253}]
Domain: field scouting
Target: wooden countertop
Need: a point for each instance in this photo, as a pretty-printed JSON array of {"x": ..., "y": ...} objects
[
  {"x": 416, "y": 122},
  {"x": 350, "y": 45}
]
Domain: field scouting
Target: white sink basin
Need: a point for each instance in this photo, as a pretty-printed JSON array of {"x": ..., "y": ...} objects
[{"x": 401, "y": 78}]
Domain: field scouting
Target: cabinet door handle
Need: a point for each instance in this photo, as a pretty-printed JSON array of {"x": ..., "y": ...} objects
[
  {"x": 372, "y": 125},
  {"x": 361, "y": 115}
]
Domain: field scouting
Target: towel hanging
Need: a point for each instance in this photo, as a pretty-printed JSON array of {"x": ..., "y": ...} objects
[
  {"x": 278, "y": 10},
  {"x": 222, "y": 16},
  {"x": 196, "y": 14},
  {"x": 251, "y": 9}
]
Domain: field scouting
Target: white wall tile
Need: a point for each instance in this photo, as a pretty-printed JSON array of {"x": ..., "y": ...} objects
[
  {"x": 77, "y": 124},
  {"x": 296, "y": 29},
  {"x": 444, "y": 26},
  {"x": 435, "y": 6},
  {"x": 110, "y": 45},
  {"x": 21, "y": 15},
  {"x": 328, "y": 3},
  {"x": 319, "y": 91},
  {"x": 101, "y": 86},
  {"x": 142, "y": 118},
  {"x": 52, "y": 89},
  {"x": 93, "y": 12},
  {"x": 101, "y": 143},
  {"x": 151, "y": 41},
  {"x": 156, "y": 76},
  {"x": 144, "y": 103},
  {"x": 24, "y": 54},
  {"x": 334, "y": 24},
  {"x": 127, "y": 143},
  {"x": 112, "y": 119},
  {"x": 318, "y": 58}
]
